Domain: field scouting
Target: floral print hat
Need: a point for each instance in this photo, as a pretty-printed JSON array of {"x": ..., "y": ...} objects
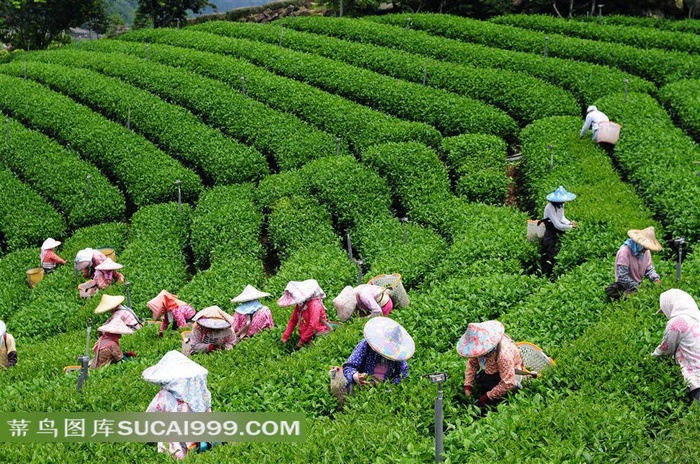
[{"x": 480, "y": 339}]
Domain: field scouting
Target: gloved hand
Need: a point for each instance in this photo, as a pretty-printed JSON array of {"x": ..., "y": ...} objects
[
  {"x": 468, "y": 390},
  {"x": 160, "y": 334},
  {"x": 283, "y": 340},
  {"x": 130, "y": 353},
  {"x": 657, "y": 281},
  {"x": 483, "y": 400},
  {"x": 213, "y": 347}
]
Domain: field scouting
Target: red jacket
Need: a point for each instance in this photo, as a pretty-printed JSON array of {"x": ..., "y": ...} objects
[{"x": 309, "y": 316}]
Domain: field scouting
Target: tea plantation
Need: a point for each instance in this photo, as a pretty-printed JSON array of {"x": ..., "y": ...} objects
[{"x": 289, "y": 143}]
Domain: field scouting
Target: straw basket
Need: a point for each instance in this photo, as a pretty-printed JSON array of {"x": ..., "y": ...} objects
[
  {"x": 534, "y": 232},
  {"x": 534, "y": 359},
  {"x": 608, "y": 132},
  {"x": 34, "y": 276},
  {"x": 109, "y": 253},
  {"x": 395, "y": 288}
]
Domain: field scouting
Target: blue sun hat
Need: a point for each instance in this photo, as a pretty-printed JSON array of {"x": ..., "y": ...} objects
[
  {"x": 560, "y": 195},
  {"x": 480, "y": 338}
]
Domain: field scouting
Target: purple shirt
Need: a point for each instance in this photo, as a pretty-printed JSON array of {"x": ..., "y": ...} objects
[
  {"x": 364, "y": 360},
  {"x": 630, "y": 270}
]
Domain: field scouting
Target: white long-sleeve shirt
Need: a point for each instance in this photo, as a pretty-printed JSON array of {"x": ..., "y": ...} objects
[
  {"x": 592, "y": 120},
  {"x": 556, "y": 215}
]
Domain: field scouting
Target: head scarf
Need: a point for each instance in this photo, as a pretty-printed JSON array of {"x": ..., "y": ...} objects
[
  {"x": 676, "y": 302},
  {"x": 637, "y": 249}
]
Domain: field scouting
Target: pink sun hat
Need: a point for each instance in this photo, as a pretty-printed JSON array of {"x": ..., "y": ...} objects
[{"x": 480, "y": 338}]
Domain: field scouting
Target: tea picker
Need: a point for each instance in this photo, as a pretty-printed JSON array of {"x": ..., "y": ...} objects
[
  {"x": 681, "y": 338},
  {"x": 381, "y": 355},
  {"x": 555, "y": 224},
  {"x": 604, "y": 131}
]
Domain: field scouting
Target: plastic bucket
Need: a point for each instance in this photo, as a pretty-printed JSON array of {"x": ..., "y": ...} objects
[
  {"x": 34, "y": 276},
  {"x": 109, "y": 253},
  {"x": 608, "y": 132}
]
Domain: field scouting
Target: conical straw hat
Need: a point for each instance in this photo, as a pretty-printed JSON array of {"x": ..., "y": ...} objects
[
  {"x": 116, "y": 326},
  {"x": 389, "y": 339},
  {"x": 50, "y": 243},
  {"x": 249, "y": 293},
  {"x": 173, "y": 366},
  {"x": 213, "y": 312},
  {"x": 108, "y": 303},
  {"x": 560, "y": 195},
  {"x": 109, "y": 265},
  {"x": 646, "y": 238}
]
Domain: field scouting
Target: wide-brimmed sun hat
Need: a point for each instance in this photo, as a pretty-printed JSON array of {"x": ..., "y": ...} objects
[
  {"x": 389, "y": 339},
  {"x": 560, "y": 195},
  {"x": 213, "y": 317},
  {"x": 116, "y": 326},
  {"x": 108, "y": 265},
  {"x": 50, "y": 243},
  {"x": 249, "y": 293},
  {"x": 591, "y": 108},
  {"x": 109, "y": 302},
  {"x": 173, "y": 366},
  {"x": 480, "y": 338},
  {"x": 645, "y": 237}
]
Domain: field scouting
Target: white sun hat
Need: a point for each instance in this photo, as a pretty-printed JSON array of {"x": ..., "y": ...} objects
[
  {"x": 50, "y": 243},
  {"x": 249, "y": 293}
]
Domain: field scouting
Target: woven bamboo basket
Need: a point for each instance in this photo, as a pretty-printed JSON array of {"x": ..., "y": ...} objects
[{"x": 396, "y": 291}]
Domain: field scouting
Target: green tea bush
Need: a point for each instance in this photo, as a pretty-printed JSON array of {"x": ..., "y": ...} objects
[
  {"x": 656, "y": 158},
  {"x": 659, "y": 66},
  {"x": 216, "y": 157},
  {"x": 328, "y": 264},
  {"x": 414, "y": 172},
  {"x": 358, "y": 125},
  {"x": 42, "y": 163},
  {"x": 478, "y": 163},
  {"x": 299, "y": 222},
  {"x": 639, "y": 37},
  {"x": 226, "y": 217},
  {"x": 351, "y": 191},
  {"x": 449, "y": 113},
  {"x": 14, "y": 290},
  {"x": 26, "y": 219},
  {"x": 148, "y": 174},
  {"x": 585, "y": 81},
  {"x": 678, "y": 98},
  {"x": 524, "y": 98},
  {"x": 281, "y": 137},
  {"x": 664, "y": 24},
  {"x": 276, "y": 186},
  {"x": 390, "y": 247},
  {"x": 226, "y": 277},
  {"x": 154, "y": 257}
]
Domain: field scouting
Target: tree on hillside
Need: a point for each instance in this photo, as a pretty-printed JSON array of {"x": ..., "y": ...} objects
[
  {"x": 34, "y": 24},
  {"x": 167, "y": 13}
]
